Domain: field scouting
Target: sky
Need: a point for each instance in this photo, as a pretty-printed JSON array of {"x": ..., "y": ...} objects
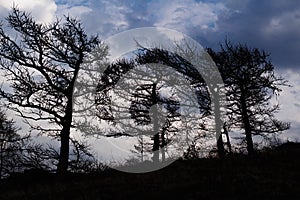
[{"x": 273, "y": 26}]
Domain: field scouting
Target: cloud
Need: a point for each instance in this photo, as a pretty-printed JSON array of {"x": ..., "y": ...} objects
[
  {"x": 73, "y": 11},
  {"x": 272, "y": 26},
  {"x": 110, "y": 17},
  {"x": 289, "y": 102},
  {"x": 41, "y": 10},
  {"x": 101, "y": 17},
  {"x": 187, "y": 15}
]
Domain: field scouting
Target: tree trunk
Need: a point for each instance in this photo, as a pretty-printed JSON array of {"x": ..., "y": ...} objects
[
  {"x": 220, "y": 146},
  {"x": 163, "y": 147},
  {"x": 64, "y": 152},
  {"x": 247, "y": 126},
  {"x": 227, "y": 138},
  {"x": 1, "y": 158},
  {"x": 142, "y": 149},
  {"x": 218, "y": 122},
  {"x": 64, "y": 140},
  {"x": 155, "y": 148}
]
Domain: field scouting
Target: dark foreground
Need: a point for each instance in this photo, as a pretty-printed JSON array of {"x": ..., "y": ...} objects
[{"x": 274, "y": 174}]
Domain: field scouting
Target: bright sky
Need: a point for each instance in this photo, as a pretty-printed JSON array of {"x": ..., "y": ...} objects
[{"x": 273, "y": 26}]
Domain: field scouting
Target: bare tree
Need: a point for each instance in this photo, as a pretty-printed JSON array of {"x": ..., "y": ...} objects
[
  {"x": 250, "y": 83},
  {"x": 145, "y": 95},
  {"x": 142, "y": 148},
  {"x": 40, "y": 65},
  {"x": 146, "y": 98},
  {"x": 209, "y": 92}
]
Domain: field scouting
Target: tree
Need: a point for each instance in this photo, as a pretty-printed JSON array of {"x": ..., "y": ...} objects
[
  {"x": 41, "y": 65},
  {"x": 207, "y": 83},
  {"x": 18, "y": 153},
  {"x": 208, "y": 88},
  {"x": 141, "y": 148},
  {"x": 81, "y": 158},
  {"x": 147, "y": 97},
  {"x": 10, "y": 145},
  {"x": 250, "y": 83}
]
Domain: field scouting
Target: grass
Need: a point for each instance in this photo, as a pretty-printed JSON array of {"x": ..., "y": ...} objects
[{"x": 272, "y": 174}]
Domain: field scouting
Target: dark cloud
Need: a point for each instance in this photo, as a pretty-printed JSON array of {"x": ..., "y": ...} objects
[
  {"x": 273, "y": 26},
  {"x": 270, "y": 25}
]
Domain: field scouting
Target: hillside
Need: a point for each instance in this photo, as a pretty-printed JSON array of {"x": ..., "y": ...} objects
[{"x": 272, "y": 174}]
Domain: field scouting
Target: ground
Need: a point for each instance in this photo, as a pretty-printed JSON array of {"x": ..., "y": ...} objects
[{"x": 273, "y": 174}]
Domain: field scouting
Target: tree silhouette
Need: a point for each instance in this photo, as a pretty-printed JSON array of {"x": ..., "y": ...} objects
[
  {"x": 250, "y": 84},
  {"x": 209, "y": 94},
  {"x": 41, "y": 65},
  {"x": 17, "y": 152},
  {"x": 145, "y": 94},
  {"x": 142, "y": 147},
  {"x": 145, "y": 98},
  {"x": 10, "y": 146}
]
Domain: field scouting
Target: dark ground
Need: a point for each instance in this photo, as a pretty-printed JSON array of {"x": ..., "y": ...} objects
[{"x": 274, "y": 174}]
